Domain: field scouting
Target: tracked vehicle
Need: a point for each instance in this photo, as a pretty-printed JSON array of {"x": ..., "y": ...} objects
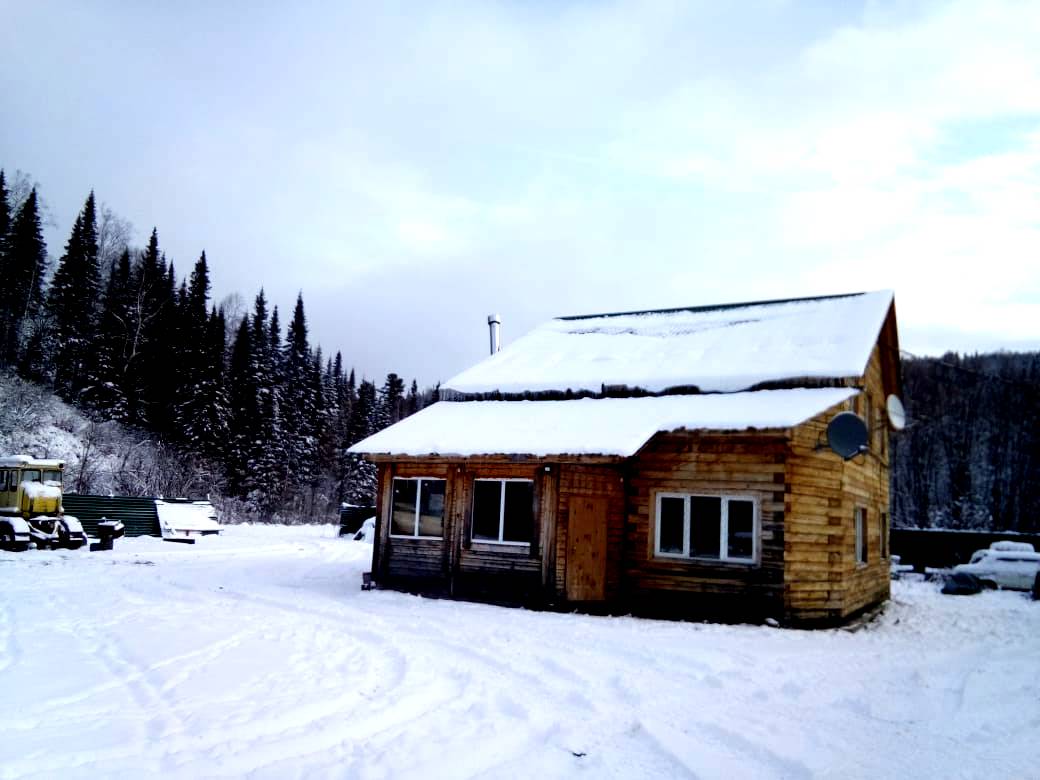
[{"x": 30, "y": 506}]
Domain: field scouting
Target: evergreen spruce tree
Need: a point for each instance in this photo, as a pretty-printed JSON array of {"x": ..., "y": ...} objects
[
  {"x": 72, "y": 304},
  {"x": 275, "y": 358},
  {"x": 339, "y": 423},
  {"x": 145, "y": 299},
  {"x": 216, "y": 439},
  {"x": 6, "y": 297},
  {"x": 265, "y": 458},
  {"x": 105, "y": 387},
  {"x": 243, "y": 394},
  {"x": 200, "y": 406},
  {"x": 298, "y": 401},
  {"x": 323, "y": 453},
  {"x": 162, "y": 338},
  {"x": 414, "y": 401},
  {"x": 5, "y": 227},
  {"x": 391, "y": 401},
  {"x": 25, "y": 263},
  {"x": 330, "y": 432},
  {"x": 360, "y": 477}
]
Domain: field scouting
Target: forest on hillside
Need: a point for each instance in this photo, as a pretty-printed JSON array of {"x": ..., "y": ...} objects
[
  {"x": 237, "y": 408},
  {"x": 248, "y": 410},
  {"x": 970, "y": 455}
]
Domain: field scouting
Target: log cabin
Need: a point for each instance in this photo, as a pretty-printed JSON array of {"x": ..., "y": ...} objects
[{"x": 669, "y": 463}]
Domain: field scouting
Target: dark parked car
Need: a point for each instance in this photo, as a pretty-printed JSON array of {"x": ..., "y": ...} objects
[{"x": 961, "y": 583}]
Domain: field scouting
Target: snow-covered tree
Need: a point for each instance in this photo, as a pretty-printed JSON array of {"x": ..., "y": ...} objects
[
  {"x": 24, "y": 267},
  {"x": 201, "y": 404},
  {"x": 299, "y": 404},
  {"x": 72, "y": 305},
  {"x": 359, "y": 480}
]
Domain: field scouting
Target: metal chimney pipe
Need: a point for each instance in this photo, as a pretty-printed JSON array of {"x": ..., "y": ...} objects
[{"x": 494, "y": 322}]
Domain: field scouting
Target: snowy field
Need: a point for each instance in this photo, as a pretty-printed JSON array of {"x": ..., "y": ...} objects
[{"x": 256, "y": 654}]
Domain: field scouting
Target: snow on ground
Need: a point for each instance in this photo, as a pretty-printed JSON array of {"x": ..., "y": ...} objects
[{"x": 256, "y": 654}]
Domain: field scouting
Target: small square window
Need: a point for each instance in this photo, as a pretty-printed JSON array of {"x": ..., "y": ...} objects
[
  {"x": 503, "y": 511},
  {"x": 418, "y": 508}
]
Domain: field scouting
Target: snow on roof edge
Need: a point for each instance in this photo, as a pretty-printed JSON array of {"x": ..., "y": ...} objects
[{"x": 603, "y": 427}]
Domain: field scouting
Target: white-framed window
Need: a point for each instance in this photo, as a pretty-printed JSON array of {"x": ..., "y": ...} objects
[
  {"x": 717, "y": 528},
  {"x": 503, "y": 511},
  {"x": 860, "y": 521},
  {"x": 418, "y": 508}
]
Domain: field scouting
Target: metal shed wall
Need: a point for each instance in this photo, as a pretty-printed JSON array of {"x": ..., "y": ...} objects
[{"x": 137, "y": 514}]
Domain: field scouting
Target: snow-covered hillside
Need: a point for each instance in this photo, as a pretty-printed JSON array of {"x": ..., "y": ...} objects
[
  {"x": 100, "y": 457},
  {"x": 34, "y": 421},
  {"x": 257, "y": 654}
]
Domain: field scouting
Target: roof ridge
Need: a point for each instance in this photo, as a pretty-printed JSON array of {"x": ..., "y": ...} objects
[{"x": 712, "y": 307}]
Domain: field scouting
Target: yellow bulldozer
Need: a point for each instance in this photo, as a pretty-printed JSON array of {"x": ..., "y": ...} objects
[{"x": 30, "y": 506}]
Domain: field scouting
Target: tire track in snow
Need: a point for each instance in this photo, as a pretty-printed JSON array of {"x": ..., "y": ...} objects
[
  {"x": 10, "y": 648},
  {"x": 126, "y": 674},
  {"x": 269, "y": 735},
  {"x": 390, "y": 711},
  {"x": 560, "y": 684}
]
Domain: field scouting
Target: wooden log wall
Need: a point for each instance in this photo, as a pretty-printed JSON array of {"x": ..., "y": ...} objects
[
  {"x": 743, "y": 465},
  {"x": 417, "y": 564},
  {"x": 865, "y": 484},
  {"x": 822, "y": 579},
  {"x": 455, "y": 565}
]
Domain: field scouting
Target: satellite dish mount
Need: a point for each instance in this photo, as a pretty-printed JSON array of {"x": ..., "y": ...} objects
[{"x": 847, "y": 435}]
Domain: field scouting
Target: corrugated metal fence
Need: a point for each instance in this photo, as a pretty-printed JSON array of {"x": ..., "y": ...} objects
[
  {"x": 941, "y": 548},
  {"x": 138, "y": 515}
]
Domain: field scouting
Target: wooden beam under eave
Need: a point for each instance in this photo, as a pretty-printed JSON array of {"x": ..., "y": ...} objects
[{"x": 496, "y": 459}]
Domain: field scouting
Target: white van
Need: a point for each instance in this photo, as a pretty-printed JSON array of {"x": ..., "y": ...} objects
[{"x": 1011, "y": 565}]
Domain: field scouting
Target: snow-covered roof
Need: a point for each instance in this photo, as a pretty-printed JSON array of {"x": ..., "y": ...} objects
[
  {"x": 18, "y": 461},
  {"x": 604, "y": 426},
  {"x": 713, "y": 348}
]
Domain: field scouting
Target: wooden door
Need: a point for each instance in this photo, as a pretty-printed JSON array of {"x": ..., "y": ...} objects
[{"x": 586, "y": 548}]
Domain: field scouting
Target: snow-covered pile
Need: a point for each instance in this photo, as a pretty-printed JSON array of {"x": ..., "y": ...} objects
[
  {"x": 256, "y": 654},
  {"x": 721, "y": 349},
  {"x": 367, "y": 531},
  {"x": 187, "y": 516}
]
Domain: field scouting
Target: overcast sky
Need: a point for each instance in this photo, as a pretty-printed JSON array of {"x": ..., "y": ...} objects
[{"x": 412, "y": 167}]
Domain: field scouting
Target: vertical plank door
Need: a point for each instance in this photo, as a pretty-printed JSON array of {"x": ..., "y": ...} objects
[{"x": 587, "y": 548}]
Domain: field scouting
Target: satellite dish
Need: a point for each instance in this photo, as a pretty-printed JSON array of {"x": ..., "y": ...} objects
[
  {"x": 896, "y": 412},
  {"x": 847, "y": 435}
]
